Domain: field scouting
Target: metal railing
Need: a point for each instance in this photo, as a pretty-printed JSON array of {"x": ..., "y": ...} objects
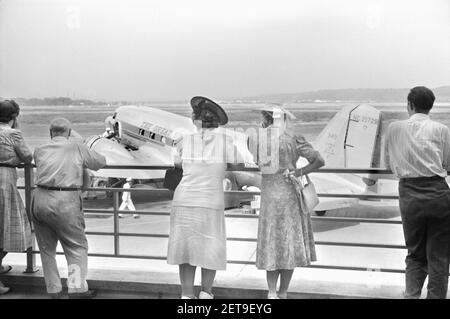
[{"x": 116, "y": 233}]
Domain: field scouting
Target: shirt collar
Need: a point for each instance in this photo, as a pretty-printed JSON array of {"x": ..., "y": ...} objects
[
  {"x": 419, "y": 117},
  {"x": 59, "y": 139}
]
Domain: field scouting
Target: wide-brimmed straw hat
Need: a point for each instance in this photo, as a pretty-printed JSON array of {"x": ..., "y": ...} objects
[{"x": 199, "y": 102}]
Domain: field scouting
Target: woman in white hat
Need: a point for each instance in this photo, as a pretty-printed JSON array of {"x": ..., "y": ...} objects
[
  {"x": 197, "y": 222},
  {"x": 285, "y": 236}
]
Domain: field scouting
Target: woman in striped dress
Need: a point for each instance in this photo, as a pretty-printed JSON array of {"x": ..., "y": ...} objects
[{"x": 15, "y": 230}]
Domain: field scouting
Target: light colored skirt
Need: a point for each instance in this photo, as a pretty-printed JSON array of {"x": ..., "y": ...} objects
[{"x": 197, "y": 237}]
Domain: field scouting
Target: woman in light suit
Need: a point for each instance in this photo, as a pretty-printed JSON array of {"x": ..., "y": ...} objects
[{"x": 197, "y": 222}]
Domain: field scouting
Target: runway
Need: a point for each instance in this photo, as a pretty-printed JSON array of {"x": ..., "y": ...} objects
[{"x": 330, "y": 231}]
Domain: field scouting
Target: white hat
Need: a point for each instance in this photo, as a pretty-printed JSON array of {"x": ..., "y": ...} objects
[{"x": 276, "y": 109}]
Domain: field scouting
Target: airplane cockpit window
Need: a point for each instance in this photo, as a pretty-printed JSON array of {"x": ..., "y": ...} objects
[
  {"x": 117, "y": 130},
  {"x": 157, "y": 137}
]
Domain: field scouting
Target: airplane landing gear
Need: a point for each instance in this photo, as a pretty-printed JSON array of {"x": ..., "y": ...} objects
[{"x": 320, "y": 212}]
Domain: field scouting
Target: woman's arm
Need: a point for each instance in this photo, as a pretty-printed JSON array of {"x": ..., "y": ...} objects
[
  {"x": 178, "y": 164},
  {"x": 177, "y": 155},
  {"x": 305, "y": 149},
  {"x": 21, "y": 149},
  {"x": 317, "y": 163}
]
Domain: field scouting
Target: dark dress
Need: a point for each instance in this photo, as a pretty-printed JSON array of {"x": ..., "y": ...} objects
[{"x": 285, "y": 235}]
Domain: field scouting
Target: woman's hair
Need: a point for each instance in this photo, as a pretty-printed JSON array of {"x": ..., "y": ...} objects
[
  {"x": 268, "y": 116},
  {"x": 209, "y": 119},
  {"x": 9, "y": 110}
]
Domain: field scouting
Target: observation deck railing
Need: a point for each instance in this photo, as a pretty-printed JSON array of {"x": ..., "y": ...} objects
[{"x": 117, "y": 234}]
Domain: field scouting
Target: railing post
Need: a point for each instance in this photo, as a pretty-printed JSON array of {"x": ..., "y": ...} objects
[
  {"x": 116, "y": 223},
  {"x": 29, "y": 182}
]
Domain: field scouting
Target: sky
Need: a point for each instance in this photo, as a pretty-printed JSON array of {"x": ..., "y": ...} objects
[{"x": 154, "y": 50}]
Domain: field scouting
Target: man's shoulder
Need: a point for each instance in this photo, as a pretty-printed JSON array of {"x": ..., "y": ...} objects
[
  {"x": 438, "y": 125},
  {"x": 42, "y": 146},
  {"x": 67, "y": 145},
  {"x": 397, "y": 123},
  {"x": 42, "y": 150}
]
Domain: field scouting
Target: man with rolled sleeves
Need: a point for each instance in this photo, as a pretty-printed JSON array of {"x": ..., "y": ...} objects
[
  {"x": 418, "y": 152},
  {"x": 57, "y": 207}
]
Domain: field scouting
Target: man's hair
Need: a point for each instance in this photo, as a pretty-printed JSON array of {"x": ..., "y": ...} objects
[
  {"x": 60, "y": 126},
  {"x": 421, "y": 98}
]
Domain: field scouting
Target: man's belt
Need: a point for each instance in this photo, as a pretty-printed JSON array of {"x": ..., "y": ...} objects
[
  {"x": 421, "y": 178},
  {"x": 7, "y": 165},
  {"x": 61, "y": 189}
]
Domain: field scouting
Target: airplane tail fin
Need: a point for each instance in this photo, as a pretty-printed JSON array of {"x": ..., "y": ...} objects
[{"x": 351, "y": 139}]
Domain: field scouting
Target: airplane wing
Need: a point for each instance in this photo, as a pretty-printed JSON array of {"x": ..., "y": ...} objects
[
  {"x": 336, "y": 183},
  {"x": 117, "y": 154}
]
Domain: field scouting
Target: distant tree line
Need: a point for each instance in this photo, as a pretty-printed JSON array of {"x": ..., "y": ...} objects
[
  {"x": 55, "y": 101},
  {"x": 362, "y": 95}
]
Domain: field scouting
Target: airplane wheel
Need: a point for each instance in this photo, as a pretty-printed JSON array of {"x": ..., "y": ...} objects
[
  {"x": 227, "y": 184},
  {"x": 320, "y": 212},
  {"x": 230, "y": 182},
  {"x": 101, "y": 184}
]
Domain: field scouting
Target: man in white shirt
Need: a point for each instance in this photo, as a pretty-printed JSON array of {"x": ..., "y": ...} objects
[
  {"x": 58, "y": 208},
  {"x": 418, "y": 152}
]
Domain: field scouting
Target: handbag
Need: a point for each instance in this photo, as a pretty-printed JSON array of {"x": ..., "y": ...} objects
[
  {"x": 172, "y": 178},
  {"x": 309, "y": 193}
]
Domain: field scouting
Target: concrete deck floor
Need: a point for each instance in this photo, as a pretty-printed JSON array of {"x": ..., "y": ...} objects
[{"x": 157, "y": 280}]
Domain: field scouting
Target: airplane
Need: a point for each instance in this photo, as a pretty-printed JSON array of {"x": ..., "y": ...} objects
[
  {"x": 352, "y": 139},
  {"x": 146, "y": 136},
  {"x": 143, "y": 135}
]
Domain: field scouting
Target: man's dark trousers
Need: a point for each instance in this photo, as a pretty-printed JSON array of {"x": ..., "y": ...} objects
[{"x": 425, "y": 210}]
